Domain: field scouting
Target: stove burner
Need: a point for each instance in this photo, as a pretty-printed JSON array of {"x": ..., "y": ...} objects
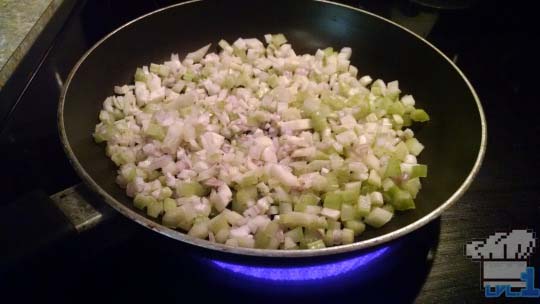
[{"x": 303, "y": 273}]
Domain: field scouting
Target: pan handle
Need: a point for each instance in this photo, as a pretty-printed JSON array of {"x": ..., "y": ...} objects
[{"x": 36, "y": 224}]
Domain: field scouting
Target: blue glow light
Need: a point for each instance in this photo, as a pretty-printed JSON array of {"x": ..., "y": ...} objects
[{"x": 303, "y": 273}]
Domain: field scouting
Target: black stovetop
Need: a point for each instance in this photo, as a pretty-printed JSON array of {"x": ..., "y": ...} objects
[{"x": 492, "y": 42}]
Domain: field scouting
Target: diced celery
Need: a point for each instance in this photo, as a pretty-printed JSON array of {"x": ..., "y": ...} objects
[
  {"x": 222, "y": 235},
  {"x": 332, "y": 183},
  {"x": 368, "y": 188},
  {"x": 248, "y": 179},
  {"x": 333, "y": 200},
  {"x": 387, "y": 183},
  {"x": 199, "y": 228},
  {"x": 388, "y": 208},
  {"x": 393, "y": 168},
  {"x": 285, "y": 207},
  {"x": 140, "y": 75},
  {"x": 316, "y": 244},
  {"x": 374, "y": 179},
  {"x": 376, "y": 199},
  {"x": 350, "y": 196},
  {"x": 142, "y": 201},
  {"x": 266, "y": 238},
  {"x": 154, "y": 209},
  {"x": 319, "y": 122},
  {"x": 309, "y": 199},
  {"x": 401, "y": 199},
  {"x": 278, "y": 39},
  {"x": 355, "y": 186},
  {"x": 356, "y": 226},
  {"x": 182, "y": 217},
  {"x": 348, "y": 212},
  {"x": 218, "y": 223},
  {"x": 328, "y": 51},
  {"x": 169, "y": 204},
  {"x": 414, "y": 146},
  {"x": 378, "y": 217},
  {"x": 311, "y": 235},
  {"x": 296, "y": 234},
  {"x": 396, "y": 108},
  {"x": 347, "y": 236},
  {"x": 295, "y": 219},
  {"x": 418, "y": 171},
  {"x": 187, "y": 189},
  {"x": 242, "y": 197},
  {"x": 156, "y": 131},
  {"x": 401, "y": 151},
  {"x": 419, "y": 115},
  {"x": 364, "y": 205},
  {"x": 413, "y": 186},
  {"x": 166, "y": 192}
]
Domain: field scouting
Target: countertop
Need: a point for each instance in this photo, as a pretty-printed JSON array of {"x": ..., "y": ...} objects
[{"x": 21, "y": 21}]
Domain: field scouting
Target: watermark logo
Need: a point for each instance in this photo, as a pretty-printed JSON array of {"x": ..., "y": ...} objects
[{"x": 504, "y": 258}]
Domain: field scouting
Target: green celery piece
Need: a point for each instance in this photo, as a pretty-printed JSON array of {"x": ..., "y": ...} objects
[
  {"x": 139, "y": 75},
  {"x": 407, "y": 122},
  {"x": 248, "y": 179},
  {"x": 375, "y": 90},
  {"x": 350, "y": 196},
  {"x": 348, "y": 212},
  {"x": 418, "y": 171},
  {"x": 333, "y": 200},
  {"x": 166, "y": 192},
  {"x": 266, "y": 238},
  {"x": 296, "y": 234},
  {"x": 169, "y": 204},
  {"x": 156, "y": 131},
  {"x": 343, "y": 175},
  {"x": 242, "y": 197},
  {"x": 401, "y": 199},
  {"x": 414, "y": 146},
  {"x": 396, "y": 108},
  {"x": 413, "y": 185},
  {"x": 332, "y": 183},
  {"x": 401, "y": 151},
  {"x": 187, "y": 189},
  {"x": 319, "y": 155},
  {"x": 309, "y": 199},
  {"x": 285, "y": 207},
  {"x": 419, "y": 115},
  {"x": 333, "y": 224},
  {"x": 310, "y": 236},
  {"x": 378, "y": 217},
  {"x": 319, "y": 122},
  {"x": 295, "y": 219},
  {"x": 347, "y": 236},
  {"x": 328, "y": 51},
  {"x": 218, "y": 223},
  {"x": 356, "y": 226},
  {"x": 393, "y": 169},
  {"x": 155, "y": 209},
  {"x": 374, "y": 179},
  {"x": 384, "y": 103},
  {"x": 142, "y": 201},
  {"x": 361, "y": 104},
  {"x": 152, "y": 175},
  {"x": 367, "y": 188},
  {"x": 364, "y": 206},
  {"x": 278, "y": 39}
]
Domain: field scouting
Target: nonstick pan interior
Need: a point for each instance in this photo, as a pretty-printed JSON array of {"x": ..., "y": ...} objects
[{"x": 454, "y": 138}]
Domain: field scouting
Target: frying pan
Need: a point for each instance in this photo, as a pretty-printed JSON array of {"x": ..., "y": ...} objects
[{"x": 455, "y": 138}]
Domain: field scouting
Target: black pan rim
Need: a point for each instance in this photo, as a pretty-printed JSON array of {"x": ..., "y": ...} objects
[{"x": 175, "y": 234}]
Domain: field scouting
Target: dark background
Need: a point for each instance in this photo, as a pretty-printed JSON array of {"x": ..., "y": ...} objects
[{"x": 495, "y": 43}]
